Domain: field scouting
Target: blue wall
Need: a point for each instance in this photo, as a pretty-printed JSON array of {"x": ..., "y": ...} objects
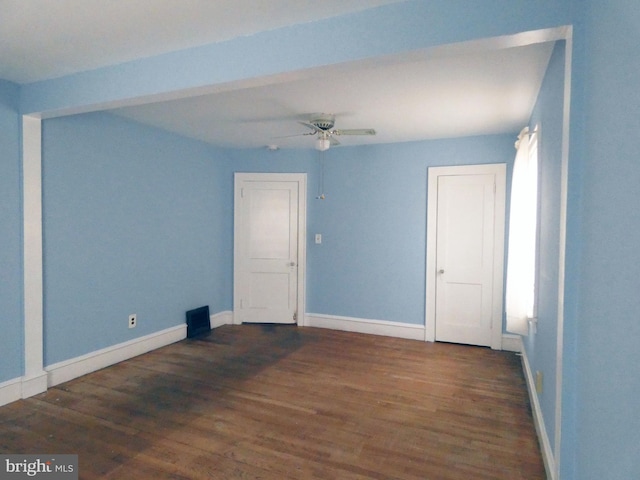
[
  {"x": 11, "y": 326},
  {"x": 541, "y": 346},
  {"x": 371, "y": 263},
  {"x": 130, "y": 226},
  {"x": 608, "y": 383},
  {"x": 251, "y": 160},
  {"x": 140, "y": 221}
]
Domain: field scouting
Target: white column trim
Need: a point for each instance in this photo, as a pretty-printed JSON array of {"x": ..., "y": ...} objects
[
  {"x": 564, "y": 193},
  {"x": 35, "y": 378}
]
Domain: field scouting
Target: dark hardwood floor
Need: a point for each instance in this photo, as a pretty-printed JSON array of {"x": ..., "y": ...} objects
[{"x": 281, "y": 402}]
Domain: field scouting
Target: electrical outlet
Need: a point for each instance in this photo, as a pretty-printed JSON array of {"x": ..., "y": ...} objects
[
  {"x": 539, "y": 381},
  {"x": 133, "y": 319}
]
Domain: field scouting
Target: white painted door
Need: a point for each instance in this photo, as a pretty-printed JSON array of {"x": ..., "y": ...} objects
[
  {"x": 469, "y": 244},
  {"x": 266, "y": 248}
]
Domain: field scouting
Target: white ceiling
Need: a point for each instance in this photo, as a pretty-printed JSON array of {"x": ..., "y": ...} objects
[
  {"x": 468, "y": 90},
  {"x": 451, "y": 95}
]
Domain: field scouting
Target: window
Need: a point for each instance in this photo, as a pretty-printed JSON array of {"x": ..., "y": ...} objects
[{"x": 523, "y": 221}]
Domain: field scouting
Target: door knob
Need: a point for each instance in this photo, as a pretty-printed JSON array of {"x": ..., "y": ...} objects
[
  {"x": 292, "y": 264},
  {"x": 441, "y": 271}
]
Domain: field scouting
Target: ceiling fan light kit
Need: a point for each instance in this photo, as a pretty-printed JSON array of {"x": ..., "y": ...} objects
[{"x": 322, "y": 144}]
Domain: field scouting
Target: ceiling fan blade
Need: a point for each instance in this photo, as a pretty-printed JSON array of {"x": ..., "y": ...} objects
[
  {"x": 354, "y": 131},
  {"x": 296, "y": 135},
  {"x": 334, "y": 141}
]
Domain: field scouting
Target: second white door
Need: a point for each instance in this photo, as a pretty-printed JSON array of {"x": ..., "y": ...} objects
[{"x": 467, "y": 268}]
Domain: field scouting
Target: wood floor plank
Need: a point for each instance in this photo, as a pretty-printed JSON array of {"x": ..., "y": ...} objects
[{"x": 281, "y": 402}]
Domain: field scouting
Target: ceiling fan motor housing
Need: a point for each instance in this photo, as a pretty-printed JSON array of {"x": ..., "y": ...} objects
[{"x": 323, "y": 122}]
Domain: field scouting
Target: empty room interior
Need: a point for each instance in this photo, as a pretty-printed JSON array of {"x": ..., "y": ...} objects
[{"x": 336, "y": 182}]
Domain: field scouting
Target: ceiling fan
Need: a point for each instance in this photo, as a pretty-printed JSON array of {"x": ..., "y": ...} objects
[{"x": 321, "y": 125}]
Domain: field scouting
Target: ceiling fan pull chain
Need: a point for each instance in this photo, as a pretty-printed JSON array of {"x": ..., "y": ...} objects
[{"x": 321, "y": 180}]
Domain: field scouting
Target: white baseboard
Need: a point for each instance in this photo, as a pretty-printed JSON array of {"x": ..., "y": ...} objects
[
  {"x": 221, "y": 318},
  {"x": 34, "y": 384},
  {"x": 10, "y": 391},
  {"x": 511, "y": 343},
  {"x": 69, "y": 369},
  {"x": 373, "y": 327},
  {"x": 23, "y": 387},
  {"x": 17, "y": 388},
  {"x": 538, "y": 419}
]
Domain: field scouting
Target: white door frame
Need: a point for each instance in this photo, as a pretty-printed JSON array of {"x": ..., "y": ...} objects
[
  {"x": 499, "y": 169},
  {"x": 301, "y": 179}
]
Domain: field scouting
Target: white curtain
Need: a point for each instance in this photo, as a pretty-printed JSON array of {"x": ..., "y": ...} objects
[{"x": 521, "y": 260}]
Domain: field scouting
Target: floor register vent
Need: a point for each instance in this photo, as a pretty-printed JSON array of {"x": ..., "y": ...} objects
[{"x": 198, "y": 321}]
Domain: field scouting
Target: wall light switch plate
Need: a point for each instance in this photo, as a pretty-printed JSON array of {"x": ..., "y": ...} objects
[
  {"x": 318, "y": 238},
  {"x": 539, "y": 382}
]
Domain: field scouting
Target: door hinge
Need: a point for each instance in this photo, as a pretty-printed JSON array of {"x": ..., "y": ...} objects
[
  {"x": 242, "y": 192},
  {"x": 295, "y": 316}
]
